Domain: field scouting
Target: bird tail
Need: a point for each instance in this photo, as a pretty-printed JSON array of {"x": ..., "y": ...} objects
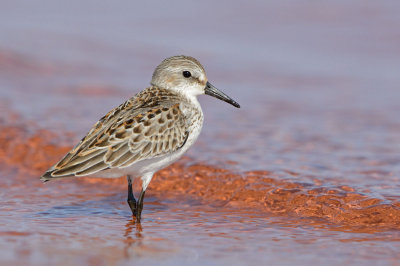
[{"x": 48, "y": 175}]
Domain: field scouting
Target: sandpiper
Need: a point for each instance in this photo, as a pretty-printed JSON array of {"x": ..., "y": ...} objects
[{"x": 147, "y": 132}]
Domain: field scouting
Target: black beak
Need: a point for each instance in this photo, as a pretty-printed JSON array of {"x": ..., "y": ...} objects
[{"x": 214, "y": 92}]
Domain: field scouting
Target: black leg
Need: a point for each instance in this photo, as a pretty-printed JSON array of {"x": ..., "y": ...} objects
[
  {"x": 131, "y": 199},
  {"x": 140, "y": 205}
]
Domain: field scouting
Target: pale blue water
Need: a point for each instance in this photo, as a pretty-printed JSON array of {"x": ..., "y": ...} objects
[{"x": 318, "y": 83}]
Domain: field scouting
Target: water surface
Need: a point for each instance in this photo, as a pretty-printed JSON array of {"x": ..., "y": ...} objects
[{"x": 307, "y": 171}]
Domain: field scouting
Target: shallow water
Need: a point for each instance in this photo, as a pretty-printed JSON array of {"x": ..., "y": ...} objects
[{"x": 307, "y": 171}]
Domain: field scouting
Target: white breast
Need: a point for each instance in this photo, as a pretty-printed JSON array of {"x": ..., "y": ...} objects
[{"x": 195, "y": 119}]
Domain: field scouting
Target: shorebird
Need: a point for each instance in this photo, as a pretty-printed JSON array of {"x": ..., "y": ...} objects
[{"x": 146, "y": 133}]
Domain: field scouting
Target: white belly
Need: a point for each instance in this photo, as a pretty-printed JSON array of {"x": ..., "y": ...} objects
[{"x": 152, "y": 165}]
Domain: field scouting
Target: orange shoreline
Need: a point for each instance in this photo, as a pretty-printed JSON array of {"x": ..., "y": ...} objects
[{"x": 340, "y": 208}]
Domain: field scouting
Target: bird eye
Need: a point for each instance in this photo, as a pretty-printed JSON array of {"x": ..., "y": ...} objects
[{"x": 187, "y": 74}]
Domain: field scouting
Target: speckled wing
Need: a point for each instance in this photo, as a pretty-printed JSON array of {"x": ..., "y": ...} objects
[{"x": 148, "y": 125}]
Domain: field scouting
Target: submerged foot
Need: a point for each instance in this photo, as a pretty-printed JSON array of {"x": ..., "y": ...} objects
[{"x": 132, "y": 205}]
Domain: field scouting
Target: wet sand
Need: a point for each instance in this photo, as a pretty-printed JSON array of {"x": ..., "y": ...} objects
[
  {"x": 192, "y": 211},
  {"x": 307, "y": 171}
]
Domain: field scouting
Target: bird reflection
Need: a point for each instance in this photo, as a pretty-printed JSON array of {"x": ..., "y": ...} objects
[{"x": 133, "y": 235}]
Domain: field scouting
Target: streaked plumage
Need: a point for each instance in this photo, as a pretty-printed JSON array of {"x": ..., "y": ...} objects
[
  {"x": 147, "y": 132},
  {"x": 148, "y": 125}
]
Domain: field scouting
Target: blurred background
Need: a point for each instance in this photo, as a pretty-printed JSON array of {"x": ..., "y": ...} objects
[{"x": 318, "y": 83}]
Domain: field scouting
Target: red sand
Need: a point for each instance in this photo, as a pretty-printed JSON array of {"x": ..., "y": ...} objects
[
  {"x": 305, "y": 173},
  {"x": 341, "y": 208}
]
